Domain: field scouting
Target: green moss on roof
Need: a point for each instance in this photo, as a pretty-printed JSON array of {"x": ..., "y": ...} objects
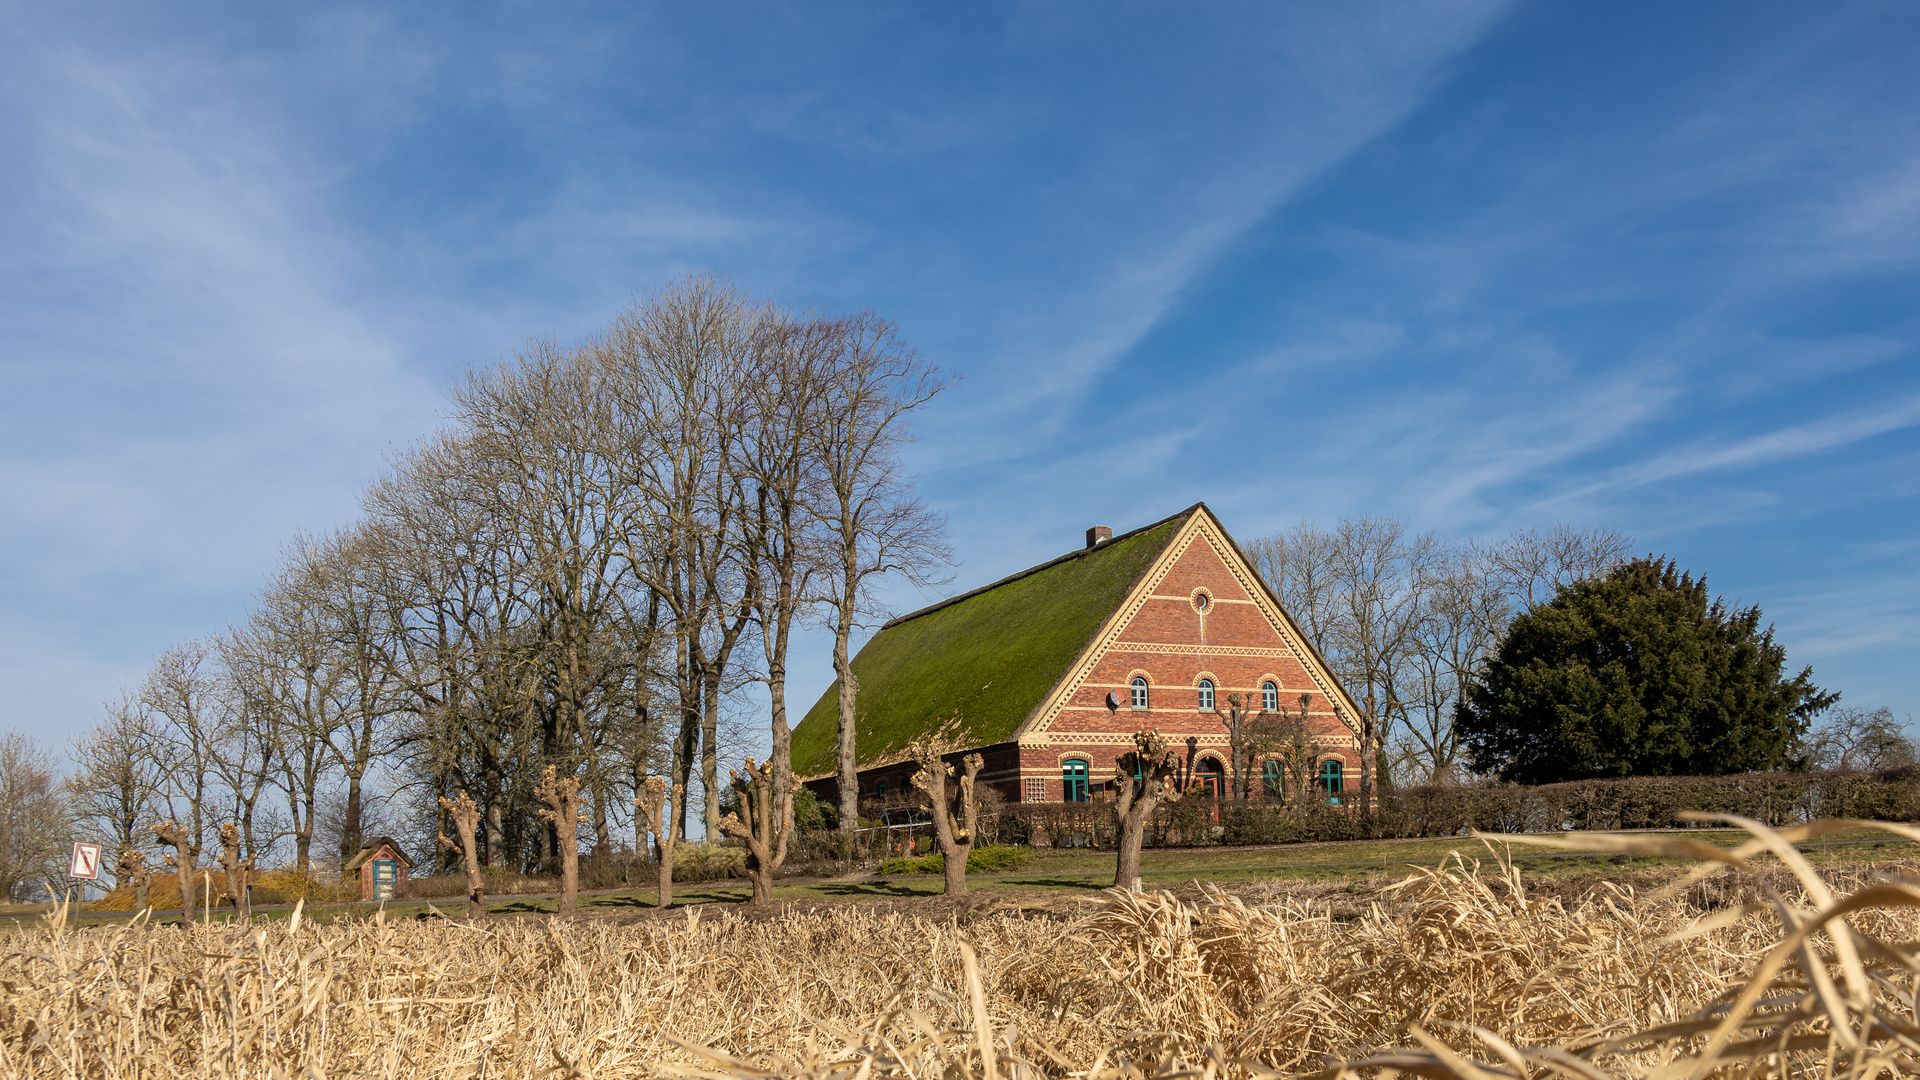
[{"x": 993, "y": 654}]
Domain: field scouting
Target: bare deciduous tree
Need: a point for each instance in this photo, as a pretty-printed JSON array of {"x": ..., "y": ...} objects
[
  {"x": 874, "y": 525},
  {"x": 679, "y": 366},
  {"x": 1251, "y": 738},
  {"x": 561, "y": 794},
  {"x": 296, "y": 669},
  {"x": 1298, "y": 750},
  {"x": 1405, "y": 619},
  {"x": 112, "y": 786},
  {"x": 1857, "y": 738},
  {"x": 184, "y": 702},
  {"x": 133, "y": 870},
  {"x": 1145, "y": 777},
  {"x": 34, "y": 827},
  {"x": 185, "y": 851},
  {"x": 764, "y": 821},
  {"x": 781, "y": 541},
  {"x": 956, "y": 813},
  {"x": 239, "y": 874},
  {"x": 465, "y": 815},
  {"x": 1531, "y": 565},
  {"x": 652, "y": 808}
]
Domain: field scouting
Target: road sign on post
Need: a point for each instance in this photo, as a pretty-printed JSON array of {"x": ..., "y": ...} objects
[{"x": 86, "y": 861}]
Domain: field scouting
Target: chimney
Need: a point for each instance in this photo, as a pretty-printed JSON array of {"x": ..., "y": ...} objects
[{"x": 1098, "y": 535}]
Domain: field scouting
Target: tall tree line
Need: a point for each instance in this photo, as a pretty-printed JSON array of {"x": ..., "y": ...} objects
[{"x": 581, "y": 572}]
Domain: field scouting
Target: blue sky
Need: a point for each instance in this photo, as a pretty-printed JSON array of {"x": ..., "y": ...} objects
[{"x": 1646, "y": 266}]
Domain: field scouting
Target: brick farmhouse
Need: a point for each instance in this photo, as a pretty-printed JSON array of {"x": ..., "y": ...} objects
[{"x": 1049, "y": 672}]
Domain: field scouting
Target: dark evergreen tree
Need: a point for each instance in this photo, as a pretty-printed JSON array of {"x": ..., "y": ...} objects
[{"x": 1636, "y": 673}]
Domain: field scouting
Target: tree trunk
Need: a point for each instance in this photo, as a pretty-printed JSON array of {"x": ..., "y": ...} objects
[
  {"x": 238, "y": 871},
  {"x": 1133, "y": 832},
  {"x": 171, "y": 834},
  {"x": 562, "y": 796},
  {"x": 954, "y": 832},
  {"x": 653, "y": 806},
  {"x": 761, "y": 822},
  {"x": 303, "y": 846},
  {"x": 496, "y": 831},
  {"x": 1143, "y": 776},
  {"x": 710, "y": 755},
  {"x": 845, "y": 766},
  {"x": 350, "y": 839},
  {"x": 466, "y": 820}
]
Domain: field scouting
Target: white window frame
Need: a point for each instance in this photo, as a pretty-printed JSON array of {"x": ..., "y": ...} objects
[
  {"x": 1270, "y": 696},
  {"x": 1206, "y": 689},
  {"x": 1137, "y": 691}
]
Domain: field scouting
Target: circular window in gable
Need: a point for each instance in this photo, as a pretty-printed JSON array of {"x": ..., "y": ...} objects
[{"x": 1202, "y": 600}]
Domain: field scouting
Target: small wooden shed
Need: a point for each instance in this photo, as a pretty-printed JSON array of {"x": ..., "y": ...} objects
[{"x": 382, "y": 867}]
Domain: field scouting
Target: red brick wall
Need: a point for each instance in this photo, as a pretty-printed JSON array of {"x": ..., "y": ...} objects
[{"x": 1174, "y": 645}]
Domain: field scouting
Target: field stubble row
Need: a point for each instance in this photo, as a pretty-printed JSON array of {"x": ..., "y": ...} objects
[{"x": 1458, "y": 960}]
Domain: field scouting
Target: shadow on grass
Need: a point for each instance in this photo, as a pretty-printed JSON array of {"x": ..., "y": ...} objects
[
  {"x": 1094, "y": 882},
  {"x": 709, "y": 896},
  {"x": 871, "y": 888},
  {"x": 636, "y": 902}
]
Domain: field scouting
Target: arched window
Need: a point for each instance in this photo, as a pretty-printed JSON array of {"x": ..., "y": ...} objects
[
  {"x": 1331, "y": 778},
  {"x": 1270, "y": 696},
  {"x": 1270, "y": 782},
  {"x": 1212, "y": 777},
  {"x": 1073, "y": 780},
  {"x": 1139, "y": 692},
  {"x": 1206, "y": 695}
]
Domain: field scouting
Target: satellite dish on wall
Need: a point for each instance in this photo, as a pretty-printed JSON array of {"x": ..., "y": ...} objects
[{"x": 1113, "y": 701}]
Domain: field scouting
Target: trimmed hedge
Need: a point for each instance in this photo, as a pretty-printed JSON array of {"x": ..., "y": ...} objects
[{"x": 1640, "y": 802}]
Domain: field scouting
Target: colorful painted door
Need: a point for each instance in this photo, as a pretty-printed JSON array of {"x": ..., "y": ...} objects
[{"x": 386, "y": 874}]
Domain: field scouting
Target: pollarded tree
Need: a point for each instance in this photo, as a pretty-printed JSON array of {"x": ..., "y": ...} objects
[
  {"x": 1145, "y": 776},
  {"x": 185, "y": 851},
  {"x": 1637, "y": 673},
  {"x": 655, "y": 812},
  {"x": 239, "y": 873},
  {"x": 562, "y": 810},
  {"x": 133, "y": 870},
  {"x": 764, "y": 820},
  {"x": 465, "y": 814},
  {"x": 1298, "y": 750},
  {"x": 956, "y": 813}
]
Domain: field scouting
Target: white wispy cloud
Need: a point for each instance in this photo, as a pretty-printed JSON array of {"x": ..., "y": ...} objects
[{"x": 1799, "y": 440}]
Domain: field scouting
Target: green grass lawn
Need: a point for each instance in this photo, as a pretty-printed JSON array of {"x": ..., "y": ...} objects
[{"x": 1066, "y": 873}]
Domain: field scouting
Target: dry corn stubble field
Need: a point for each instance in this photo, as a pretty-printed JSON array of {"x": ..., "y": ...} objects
[{"x": 1454, "y": 966}]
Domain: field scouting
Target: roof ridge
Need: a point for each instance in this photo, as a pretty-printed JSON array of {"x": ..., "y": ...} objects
[{"x": 1031, "y": 570}]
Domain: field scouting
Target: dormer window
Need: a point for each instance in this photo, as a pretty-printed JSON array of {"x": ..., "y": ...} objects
[
  {"x": 1139, "y": 691},
  {"x": 1270, "y": 696},
  {"x": 1206, "y": 695}
]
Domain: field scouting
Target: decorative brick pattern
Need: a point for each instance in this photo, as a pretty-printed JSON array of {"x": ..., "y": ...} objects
[{"x": 1239, "y": 639}]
